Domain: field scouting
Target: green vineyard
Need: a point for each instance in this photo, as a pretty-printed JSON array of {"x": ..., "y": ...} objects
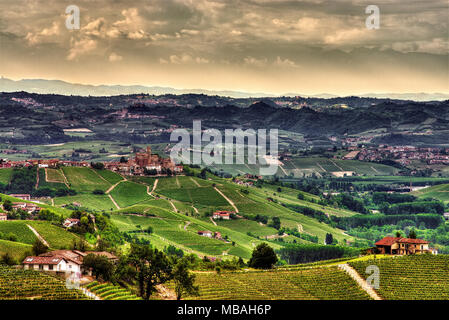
[
  {"x": 417, "y": 277},
  {"x": 16, "y": 284},
  {"x": 327, "y": 283},
  {"x": 108, "y": 291}
]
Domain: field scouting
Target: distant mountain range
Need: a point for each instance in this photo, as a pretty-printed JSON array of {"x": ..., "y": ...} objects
[{"x": 43, "y": 86}]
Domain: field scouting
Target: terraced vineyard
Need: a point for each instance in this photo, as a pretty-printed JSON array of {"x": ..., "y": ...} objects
[
  {"x": 328, "y": 283},
  {"x": 417, "y": 277},
  {"x": 107, "y": 291},
  {"x": 17, "y": 284}
]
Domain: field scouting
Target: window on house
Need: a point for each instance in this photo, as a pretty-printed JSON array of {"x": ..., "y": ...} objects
[
  {"x": 50, "y": 267},
  {"x": 41, "y": 267}
]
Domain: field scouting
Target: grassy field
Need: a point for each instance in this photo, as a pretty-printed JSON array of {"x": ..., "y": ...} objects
[
  {"x": 328, "y": 283},
  {"x": 416, "y": 277},
  {"x": 440, "y": 192},
  {"x": 129, "y": 193},
  {"x": 306, "y": 166},
  {"x": 17, "y": 250},
  {"x": 56, "y": 236},
  {"x": 43, "y": 183},
  {"x": 19, "y": 229},
  {"x": 110, "y": 176},
  {"x": 85, "y": 179},
  {"x": 299, "y": 167},
  {"x": 92, "y": 201},
  {"x": 397, "y": 180},
  {"x": 5, "y": 175},
  {"x": 55, "y": 175}
]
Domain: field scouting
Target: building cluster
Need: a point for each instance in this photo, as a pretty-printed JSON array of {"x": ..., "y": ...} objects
[
  {"x": 30, "y": 208},
  {"x": 137, "y": 165},
  {"x": 403, "y": 154},
  {"x": 144, "y": 161},
  {"x": 210, "y": 234},
  {"x": 225, "y": 215},
  {"x": 42, "y": 163}
]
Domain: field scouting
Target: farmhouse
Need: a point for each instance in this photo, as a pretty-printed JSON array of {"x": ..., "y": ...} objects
[
  {"x": 65, "y": 261},
  {"x": 225, "y": 215},
  {"x": 26, "y": 197},
  {"x": 68, "y": 223},
  {"x": 402, "y": 246},
  {"x": 56, "y": 264},
  {"x": 28, "y": 207},
  {"x": 205, "y": 233},
  {"x": 3, "y": 216}
]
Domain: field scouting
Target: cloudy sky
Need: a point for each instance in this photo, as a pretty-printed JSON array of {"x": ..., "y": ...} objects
[{"x": 273, "y": 46}]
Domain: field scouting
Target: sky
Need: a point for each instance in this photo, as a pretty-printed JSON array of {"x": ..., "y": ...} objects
[{"x": 271, "y": 46}]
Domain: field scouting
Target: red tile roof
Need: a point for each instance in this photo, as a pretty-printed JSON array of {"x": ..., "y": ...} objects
[
  {"x": 413, "y": 241},
  {"x": 42, "y": 260},
  {"x": 388, "y": 241}
]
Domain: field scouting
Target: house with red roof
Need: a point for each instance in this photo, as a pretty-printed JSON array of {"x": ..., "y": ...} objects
[
  {"x": 402, "y": 246},
  {"x": 225, "y": 215},
  {"x": 68, "y": 223},
  {"x": 63, "y": 261}
]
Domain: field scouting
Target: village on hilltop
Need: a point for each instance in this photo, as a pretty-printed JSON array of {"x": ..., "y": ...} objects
[{"x": 143, "y": 162}]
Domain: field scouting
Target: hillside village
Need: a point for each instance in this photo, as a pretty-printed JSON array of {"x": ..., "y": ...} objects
[{"x": 142, "y": 162}]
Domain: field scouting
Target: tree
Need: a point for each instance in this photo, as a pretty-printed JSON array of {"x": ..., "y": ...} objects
[
  {"x": 39, "y": 247},
  {"x": 412, "y": 234},
  {"x": 276, "y": 223},
  {"x": 97, "y": 165},
  {"x": 184, "y": 280},
  {"x": 100, "y": 265},
  {"x": 398, "y": 234},
  {"x": 263, "y": 257},
  {"x": 123, "y": 160},
  {"x": 7, "y": 205},
  {"x": 152, "y": 266},
  {"x": 329, "y": 238},
  {"x": 7, "y": 259}
]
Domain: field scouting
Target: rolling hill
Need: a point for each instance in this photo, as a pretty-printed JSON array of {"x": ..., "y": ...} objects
[{"x": 176, "y": 208}]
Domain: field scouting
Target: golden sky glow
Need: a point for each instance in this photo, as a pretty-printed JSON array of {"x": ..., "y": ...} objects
[{"x": 275, "y": 46}]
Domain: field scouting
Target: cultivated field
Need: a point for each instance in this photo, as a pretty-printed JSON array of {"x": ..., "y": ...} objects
[
  {"x": 416, "y": 277},
  {"x": 327, "y": 283},
  {"x": 17, "y": 284}
]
